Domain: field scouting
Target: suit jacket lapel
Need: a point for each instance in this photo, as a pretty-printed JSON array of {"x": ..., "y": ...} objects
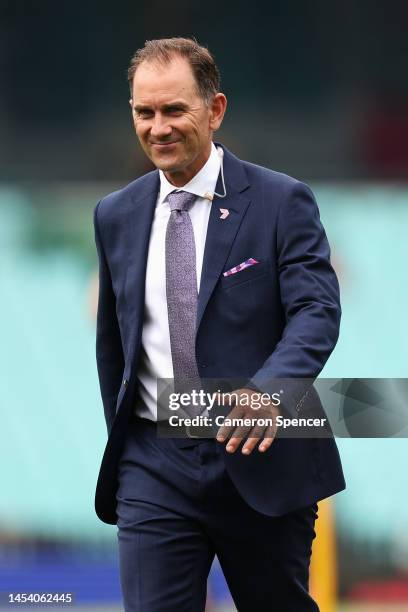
[
  {"x": 141, "y": 212},
  {"x": 221, "y": 232}
]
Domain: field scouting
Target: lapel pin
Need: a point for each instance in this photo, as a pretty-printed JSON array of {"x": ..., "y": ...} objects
[{"x": 224, "y": 213}]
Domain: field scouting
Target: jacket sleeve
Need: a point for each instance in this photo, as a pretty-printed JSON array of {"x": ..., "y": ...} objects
[
  {"x": 109, "y": 352},
  {"x": 310, "y": 298}
]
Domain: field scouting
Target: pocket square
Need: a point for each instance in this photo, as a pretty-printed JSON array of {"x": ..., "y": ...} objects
[{"x": 245, "y": 264}]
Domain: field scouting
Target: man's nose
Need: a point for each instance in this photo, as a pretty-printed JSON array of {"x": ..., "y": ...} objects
[{"x": 160, "y": 127}]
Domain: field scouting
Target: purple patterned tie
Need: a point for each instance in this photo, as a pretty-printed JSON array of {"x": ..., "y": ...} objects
[{"x": 181, "y": 291}]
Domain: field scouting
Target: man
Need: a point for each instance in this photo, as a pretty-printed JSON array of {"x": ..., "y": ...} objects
[{"x": 210, "y": 267}]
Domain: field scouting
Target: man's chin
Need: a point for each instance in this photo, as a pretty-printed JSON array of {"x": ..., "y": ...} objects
[{"x": 166, "y": 165}]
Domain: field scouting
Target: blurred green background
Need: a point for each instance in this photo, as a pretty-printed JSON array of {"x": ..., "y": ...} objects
[{"x": 316, "y": 90}]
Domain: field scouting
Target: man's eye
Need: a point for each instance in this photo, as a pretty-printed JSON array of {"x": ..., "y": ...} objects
[
  {"x": 144, "y": 114},
  {"x": 175, "y": 111}
]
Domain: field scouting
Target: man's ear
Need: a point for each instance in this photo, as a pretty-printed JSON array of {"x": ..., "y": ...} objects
[{"x": 217, "y": 110}]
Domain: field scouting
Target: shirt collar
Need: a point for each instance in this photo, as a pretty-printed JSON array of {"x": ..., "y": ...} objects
[{"x": 202, "y": 183}]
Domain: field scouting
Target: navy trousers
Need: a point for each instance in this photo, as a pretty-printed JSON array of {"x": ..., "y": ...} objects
[{"x": 177, "y": 508}]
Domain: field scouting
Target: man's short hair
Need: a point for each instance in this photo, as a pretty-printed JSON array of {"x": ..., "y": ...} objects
[{"x": 163, "y": 50}]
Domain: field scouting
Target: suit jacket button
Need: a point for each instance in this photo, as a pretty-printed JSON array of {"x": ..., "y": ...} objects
[{"x": 125, "y": 382}]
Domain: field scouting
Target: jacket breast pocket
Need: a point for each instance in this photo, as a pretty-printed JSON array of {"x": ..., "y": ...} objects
[{"x": 247, "y": 274}]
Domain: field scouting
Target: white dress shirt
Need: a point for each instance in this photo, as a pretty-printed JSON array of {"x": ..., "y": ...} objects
[{"x": 155, "y": 360}]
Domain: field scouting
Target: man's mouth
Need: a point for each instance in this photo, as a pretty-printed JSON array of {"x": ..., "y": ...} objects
[{"x": 164, "y": 144}]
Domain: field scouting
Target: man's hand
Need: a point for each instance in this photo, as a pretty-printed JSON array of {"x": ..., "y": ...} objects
[{"x": 245, "y": 404}]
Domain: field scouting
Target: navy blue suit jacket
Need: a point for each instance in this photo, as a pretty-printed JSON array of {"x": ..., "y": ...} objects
[{"x": 278, "y": 319}]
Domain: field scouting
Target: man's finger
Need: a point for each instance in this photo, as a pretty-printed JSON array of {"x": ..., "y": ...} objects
[
  {"x": 239, "y": 434},
  {"x": 253, "y": 439},
  {"x": 269, "y": 437},
  {"x": 226, "y": 430},
  {"x": 233, "y": 443}
]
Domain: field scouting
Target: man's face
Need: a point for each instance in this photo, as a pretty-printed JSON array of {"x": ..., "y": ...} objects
[{"x": 173, "y": 123}]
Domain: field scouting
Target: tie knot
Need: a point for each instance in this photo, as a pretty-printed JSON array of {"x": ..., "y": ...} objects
[{"x": 180, "y": 200}]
